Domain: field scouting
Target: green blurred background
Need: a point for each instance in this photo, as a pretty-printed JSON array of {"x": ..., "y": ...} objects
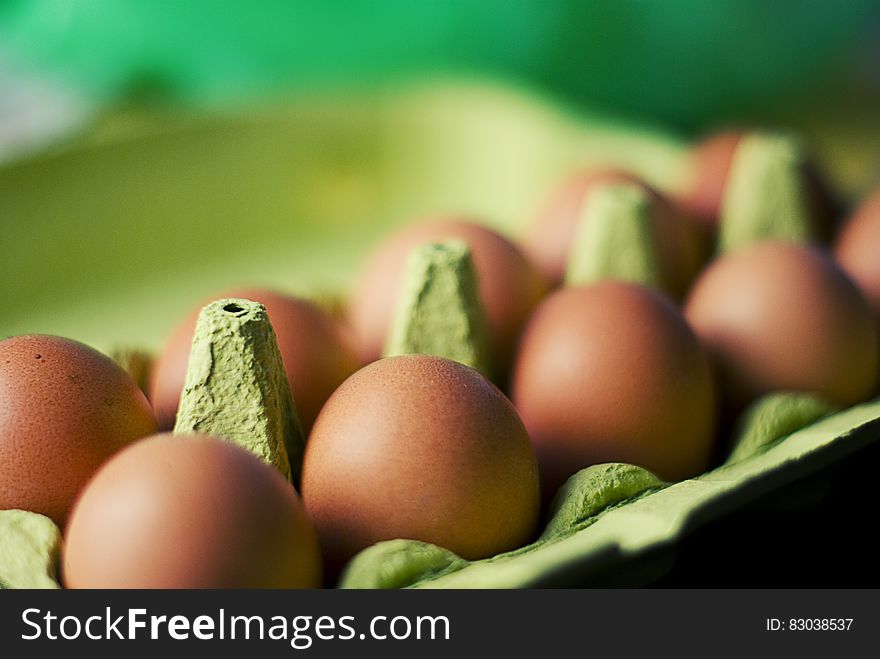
[{"x": 682, "y": 63}]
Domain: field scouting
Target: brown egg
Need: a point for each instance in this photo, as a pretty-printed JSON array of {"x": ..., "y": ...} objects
[
  {"x": 64, "y": 409},
  {"x": 702, "y": 193},
  {"x": 612, "y": 373},
  {"x": 189, "y": 511},
  {"x": 783, "y": 317},
  {"x": 423, "y": 448},
  {"x": 315, "y": 348},
  {"x": 549, "y": 237},
  {"x": 708, "y": 166},
  {"x": 508, "y": 285},
  {"x": 858, "y": 249},
  {"x": 548, "y": 241}
]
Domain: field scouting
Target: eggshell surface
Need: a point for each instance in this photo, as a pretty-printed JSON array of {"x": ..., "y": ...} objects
[
  {"x": 64, "y": 409},
  {"x": 858, "y": 249},
  {"x": 780, "y": 317},
  {"x": 708, "y": 167},
  {"x": 422, "y": 448},
  {"x": 611, "y": 372},
  {"x": 189, "y": 511}
]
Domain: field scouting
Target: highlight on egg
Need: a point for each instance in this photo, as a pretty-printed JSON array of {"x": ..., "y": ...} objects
[
  {"x": 783, "y": 317},
  {"x": 422, "y": 448},
  {"x": 611, "y": 372}
]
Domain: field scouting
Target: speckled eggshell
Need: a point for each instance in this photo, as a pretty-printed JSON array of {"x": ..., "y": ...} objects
[
  {"x": 189, "y": 511},
  {"x": 783, "y": 317},
  {"x": 64, "y": 409},
  {"x": 317, "y": 351},
  {"x": 422, "y": 448},
  {"x": 611, "y": 372},
  {"x": 858, "y": 249},
  {"x": 509, "y": 286}
]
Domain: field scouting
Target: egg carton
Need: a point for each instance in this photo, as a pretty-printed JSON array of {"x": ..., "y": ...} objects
[{"x": 140, "y": 224}]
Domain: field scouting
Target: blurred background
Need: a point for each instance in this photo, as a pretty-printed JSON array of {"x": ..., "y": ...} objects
[
  {"x": 680, "y": 64},
  {"x": 143, "y": 140}
]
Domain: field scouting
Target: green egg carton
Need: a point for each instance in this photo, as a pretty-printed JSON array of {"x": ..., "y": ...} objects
[{"x": 110, "y": 239}]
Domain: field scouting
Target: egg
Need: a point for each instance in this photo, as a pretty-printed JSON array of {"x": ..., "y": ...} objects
[
  {"x": 64, "y": 409},
  {"x": 611, "y": 372},
  {"x": 317, "y": 351},
  {"x": 858, "y": 249},
  {"x": 189, "y": 511},
  {"x": 776, "y": 316},
  {"x": 708, "y": 164},
  {"x": 549, "y": 237},
  {"x": 549, "y": 240},
  {"x": 509, "y": 286},
  {"x": 423, "y": 448}
]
